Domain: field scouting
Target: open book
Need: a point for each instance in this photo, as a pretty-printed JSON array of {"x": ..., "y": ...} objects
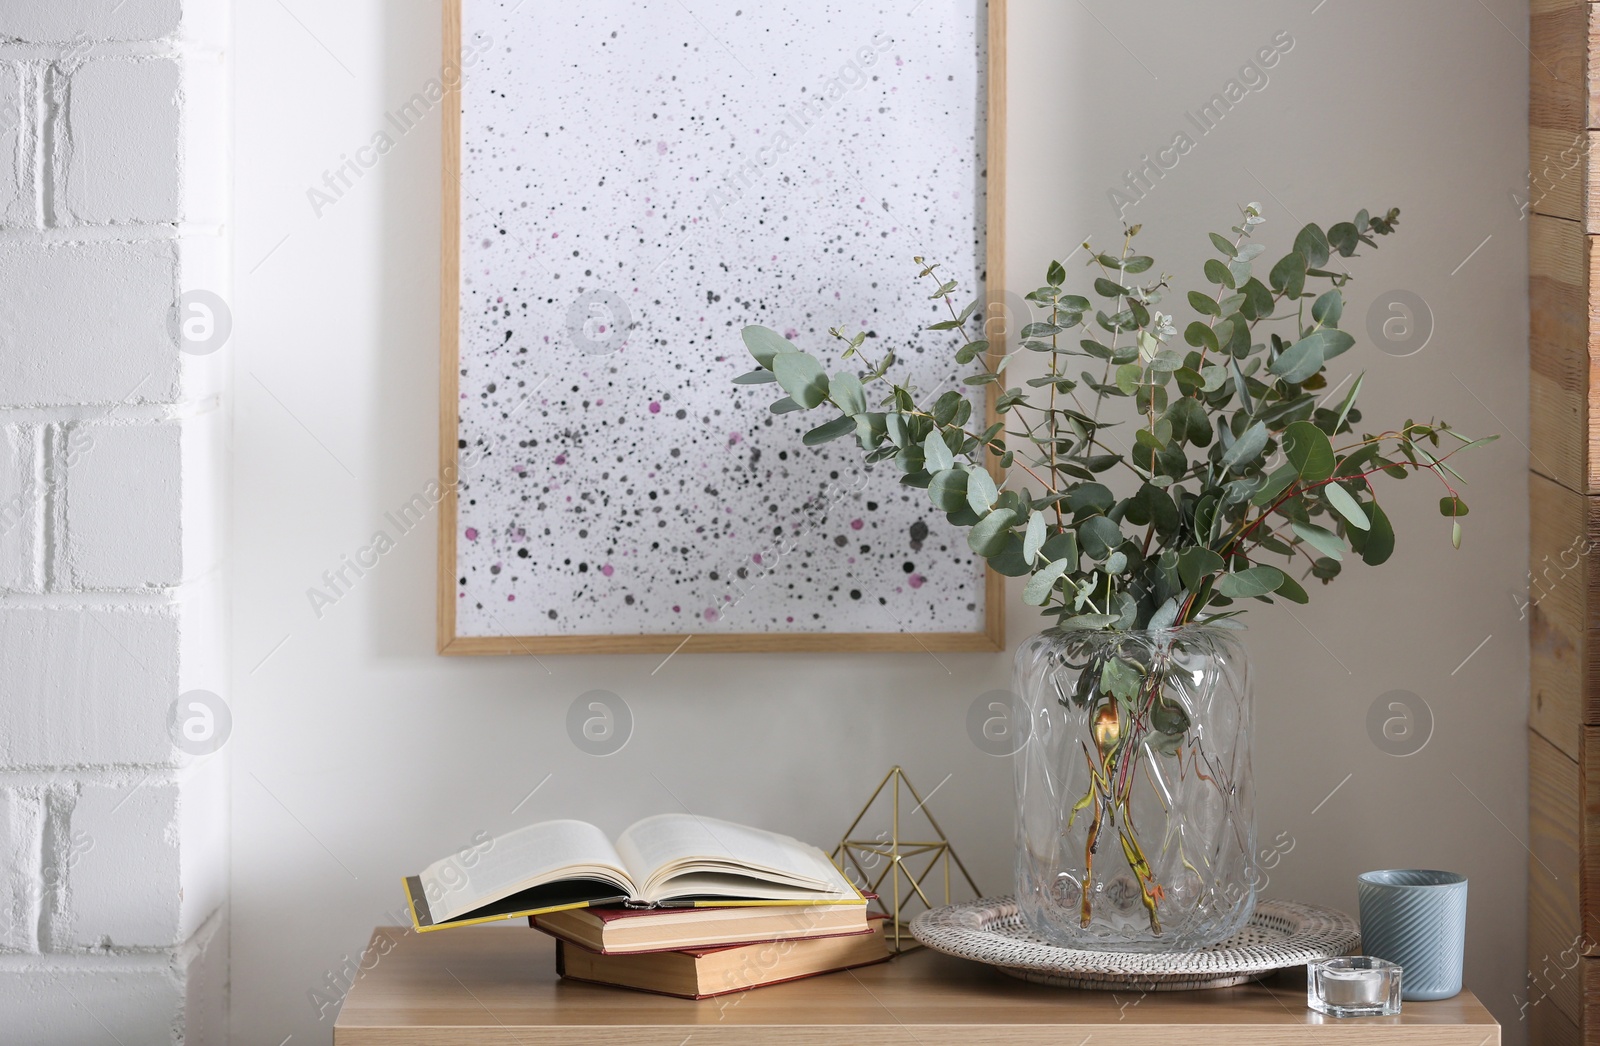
[{"x": 668, "y": 860}]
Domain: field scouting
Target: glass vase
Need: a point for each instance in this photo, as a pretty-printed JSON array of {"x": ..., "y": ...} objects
[{"x": 1135, "y": 819}]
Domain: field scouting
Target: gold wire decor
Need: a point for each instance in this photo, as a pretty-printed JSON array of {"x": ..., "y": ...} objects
[{"x": 868, "y": 862}]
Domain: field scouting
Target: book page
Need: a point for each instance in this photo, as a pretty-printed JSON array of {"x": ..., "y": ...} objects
[
  {"x": 666, "y": 846},
  {"x": 531, "y": 856}
]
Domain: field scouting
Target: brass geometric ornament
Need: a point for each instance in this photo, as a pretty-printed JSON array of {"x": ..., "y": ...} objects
[{"x": 868, "y": 862}]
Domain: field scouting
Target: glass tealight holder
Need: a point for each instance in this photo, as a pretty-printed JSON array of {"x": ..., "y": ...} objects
[{"x": 1353, "y": 986}]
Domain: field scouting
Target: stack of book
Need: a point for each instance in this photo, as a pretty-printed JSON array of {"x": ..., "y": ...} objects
[
  {"x": 700, "y": 952},
  {"x": 679, "y": 904}
]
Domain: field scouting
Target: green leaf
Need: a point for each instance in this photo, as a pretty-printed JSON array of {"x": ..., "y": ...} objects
[
  {"x": 1455, "y": 534},
  {"x": 801, "y": 377},
  {"x": 755, "y": 377},
  {"x": 1106, "y": 289},
  {"x": 969, "y": 352},
  {"x": 1333, "y": 342},
  {"x": 1120, "y": 679},
  {"x": 784, "y": 406},
  {"x": 1324, "y": 541},
  {"x": 1344, "y": 238},
  {"x": 1276, "y": 484},
  {"x": 949, "y": 489},
  {"x": 1312, "y": 244},
  {"x": 1137, "y": 264},
  {"x": 1299, "y": 361},
  {"x": 1055, "y": 275},
  {"x": 1038, "y": 588},
  {"x": 1288, "y": 277},
  {"x": 1247, "y": 447},
  {"x": 1257, "y": 300},
  {"x": 1099, "y": 535},
  {"x": 847, "y": 394},
  {"x": 1346, "y": 505},
  {"x": 1204, "y": 305},
  {"x": 1195, "y": 562},
  {"x": 1216, "y": 272},
  {"x": 1253, "y": 581},
  {"x": 1349, "y": 401},
  {"x": 1222, "y": 244},
  {"x": 981, "y": 491},
  {"x": 937, "y": 453},
  {"x": 1090, "y": 498},
  {"x": 896, "y": 427},
  {"x": 1088, "y": 622},
  {"x": 1307, "y": 447},
  {"x": 1329, "y": 308},
  {"x": 1010, "y": 562},
  {"x": 1452, "y": 506},
  {"x": 841, "y": 426},
  {"x": 765, "y": 344},
  {"x": 1201, "y": 336},
  {"x": 1375, "y": 545},
  {"x": 1290, "y": 589},
  {"x": 1033, "y": 540},
  {"x": 988, "y": 537}
]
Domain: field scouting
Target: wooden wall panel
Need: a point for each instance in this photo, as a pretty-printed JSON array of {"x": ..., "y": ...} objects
[
  {"x": 1555, "y": 933},
  {"x": 1564, "y": 538},
  {"x": 1548, "y": 1026},
  {"x": 1558, "y": 91},
  {"x": 1563, "y": 212},
  {"x": 1561, "y": 422}
]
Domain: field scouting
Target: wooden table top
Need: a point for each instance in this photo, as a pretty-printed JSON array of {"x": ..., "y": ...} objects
[{"x": 498, "y": 985}]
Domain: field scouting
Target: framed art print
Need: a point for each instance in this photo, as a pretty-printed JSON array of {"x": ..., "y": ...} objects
[{"x": 629, "y": 183}]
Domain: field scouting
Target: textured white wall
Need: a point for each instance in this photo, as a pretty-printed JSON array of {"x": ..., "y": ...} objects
[
  {"x": 113, "y": 835},
  {"x": 359, "y": 755}
]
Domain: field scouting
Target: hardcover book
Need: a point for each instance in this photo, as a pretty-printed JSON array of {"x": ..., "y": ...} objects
[
  {"x": 699, "y": 973},
  {"x": 677, "y": 860},
  {"x": 622, "y": 931}
]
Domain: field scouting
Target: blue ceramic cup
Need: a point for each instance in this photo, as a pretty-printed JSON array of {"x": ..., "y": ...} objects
[{"x": 1416, "y": 918}]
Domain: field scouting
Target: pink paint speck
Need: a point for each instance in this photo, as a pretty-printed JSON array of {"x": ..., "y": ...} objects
[
  {"x": 607, "y": 570},
  {"x": 677, "y": 610},
  {"x": 856, "y": 524},
  {"x": 655, "y": 408},
  {"x": 472, "y": 533},
  {"x": 790, "y": 620},
  {"x": 791, "y": 334},
  {"x": 756, "y": 558},
  {"x": 561, "y": 459},
  {"x": 915, "y": 580},
  {"x": 512, "y": 598},
  {"x": 735, "y": 437},
  {"x": 711, "y": 614},
  {"x": 661, "y": 148}
]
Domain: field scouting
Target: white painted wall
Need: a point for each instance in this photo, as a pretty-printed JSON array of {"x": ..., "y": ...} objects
[
  {"x": 359, "y": 755},
  {"x": 114, "y": 160}
]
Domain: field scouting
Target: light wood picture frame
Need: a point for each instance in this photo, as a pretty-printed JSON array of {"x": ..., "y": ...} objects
[{"x": 989, "y": 636}]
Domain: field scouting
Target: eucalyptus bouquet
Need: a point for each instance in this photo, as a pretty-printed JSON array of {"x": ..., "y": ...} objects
[
  {"x": 1155, "y": 511},
  {"x": 1228, "y": 455}
]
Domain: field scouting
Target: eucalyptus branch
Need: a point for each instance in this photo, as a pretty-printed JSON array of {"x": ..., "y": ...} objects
[{"x": 1182, "y": 543}]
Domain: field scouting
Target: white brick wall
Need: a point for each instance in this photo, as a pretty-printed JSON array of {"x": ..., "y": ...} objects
[
  {"x": 122, "y": 137},
  {"x": 114, "y": 165},
  {"x": 87, "y": 323}
]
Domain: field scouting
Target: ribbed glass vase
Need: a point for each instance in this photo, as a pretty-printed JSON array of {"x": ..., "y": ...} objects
[{"x": 1136, "y": 819}]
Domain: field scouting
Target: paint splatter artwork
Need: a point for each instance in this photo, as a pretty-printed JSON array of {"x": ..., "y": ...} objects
[{"x": 640, "y": 179}]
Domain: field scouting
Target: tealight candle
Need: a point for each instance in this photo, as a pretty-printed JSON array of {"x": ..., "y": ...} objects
[{"x": 1353, "y": 986}]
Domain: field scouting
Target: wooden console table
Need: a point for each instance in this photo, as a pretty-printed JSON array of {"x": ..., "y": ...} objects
[{"x": 497, "y": 985}]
